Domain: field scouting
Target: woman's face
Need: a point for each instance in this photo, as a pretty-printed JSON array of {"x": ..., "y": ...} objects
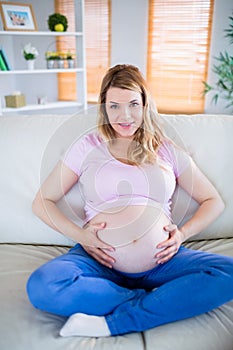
[{"x": 125, "y": 111}]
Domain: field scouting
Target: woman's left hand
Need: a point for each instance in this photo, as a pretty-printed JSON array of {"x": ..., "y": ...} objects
[{"x": 171, "y": 246}]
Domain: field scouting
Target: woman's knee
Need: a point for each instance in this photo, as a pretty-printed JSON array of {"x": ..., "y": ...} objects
[
  {"x": 44, "y": 283},
  {"x": 37, "y": 287}
]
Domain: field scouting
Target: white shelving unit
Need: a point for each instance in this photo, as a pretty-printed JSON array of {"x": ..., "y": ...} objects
[
  {"x": 39, "y": 71},
  {"x": 40, "y": 33},
  {"x": 18, "y": 74},
  {"x": 54, "y": 105}
]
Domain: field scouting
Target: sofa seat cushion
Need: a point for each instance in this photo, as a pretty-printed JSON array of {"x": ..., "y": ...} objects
[
  {"x": 24, "y": 327},
  {"x": 223, "y": 246}
]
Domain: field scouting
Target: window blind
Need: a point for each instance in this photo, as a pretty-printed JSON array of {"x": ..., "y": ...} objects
[
  {"x": 178, "y": 47},
  {"x": 98, "y": 41},
  {"x": 66, "y": 81}
]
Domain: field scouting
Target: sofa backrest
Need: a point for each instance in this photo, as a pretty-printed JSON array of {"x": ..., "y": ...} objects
[
  {"x": 208, "y": 139},
  {"x": 31, "y": 145}
]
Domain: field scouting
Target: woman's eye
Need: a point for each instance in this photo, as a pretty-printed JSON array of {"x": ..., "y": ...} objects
[
  {"x": 134, "y": 104},
  {"x": 113, "y": 106}
]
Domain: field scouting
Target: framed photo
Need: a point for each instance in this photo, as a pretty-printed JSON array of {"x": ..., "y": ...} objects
[{"x": 17, "y": 16}]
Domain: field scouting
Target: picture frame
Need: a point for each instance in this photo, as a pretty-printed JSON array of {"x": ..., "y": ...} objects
[{"x": 17, "y": 16}]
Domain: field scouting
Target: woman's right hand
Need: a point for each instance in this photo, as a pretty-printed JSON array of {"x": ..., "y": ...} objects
[{"x": 93, "y": 245}]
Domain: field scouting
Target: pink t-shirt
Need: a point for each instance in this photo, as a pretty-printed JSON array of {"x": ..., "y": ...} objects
[{"x": 105, "y": 182}]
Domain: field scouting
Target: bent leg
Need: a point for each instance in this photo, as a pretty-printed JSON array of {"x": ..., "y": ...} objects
[
  {"x": 75, "y": 282},
  {"x": 191, "y": 283}
]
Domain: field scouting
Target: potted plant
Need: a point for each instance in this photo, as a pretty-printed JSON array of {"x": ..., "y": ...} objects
[
  {"x": 30, "y": 53},
  {"x": 60, "y": 61},
  {"x": 70, "y": 60},
  {"x": 224, "y": 71},
  {"x": 54, "y": 59},
  {"x": 51, "y": 58},
  {"x": 57, "y": 22}
]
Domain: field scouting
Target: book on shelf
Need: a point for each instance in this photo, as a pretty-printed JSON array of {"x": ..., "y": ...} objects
[{"x": 4, "y": 64}]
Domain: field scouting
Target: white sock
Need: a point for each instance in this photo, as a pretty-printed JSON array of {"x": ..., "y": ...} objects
[{"x": 85, "y": 326}]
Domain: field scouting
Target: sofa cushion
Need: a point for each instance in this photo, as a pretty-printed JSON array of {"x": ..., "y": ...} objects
[
  {"x": 208, "y": 139},
  {"x": 29, "y": 147},
  {"x": 24, "y": 327}
]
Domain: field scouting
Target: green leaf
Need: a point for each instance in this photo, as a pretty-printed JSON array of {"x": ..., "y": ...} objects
[
  {"x": 224, "y": 71},
  {"x": 207, "y": 87},
  {"x": 230, "y": 31},
  {"x": 222, "y": 85},
  {"x": 215, "y": 98}
]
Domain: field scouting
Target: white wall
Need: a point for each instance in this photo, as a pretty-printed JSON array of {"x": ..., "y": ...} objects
[
  {"x": 222, "y": 10},
  {"x": 129, "y": 32}
]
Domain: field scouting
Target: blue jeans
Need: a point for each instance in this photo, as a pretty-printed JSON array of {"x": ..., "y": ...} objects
[{"x": 191, "y": 283}]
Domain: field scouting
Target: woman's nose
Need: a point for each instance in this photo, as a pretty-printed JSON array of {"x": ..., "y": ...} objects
[{"x": 126, "y": 112}]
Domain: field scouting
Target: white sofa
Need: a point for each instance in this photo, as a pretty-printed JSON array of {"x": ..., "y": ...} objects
[{"x": 29, "y": 147}]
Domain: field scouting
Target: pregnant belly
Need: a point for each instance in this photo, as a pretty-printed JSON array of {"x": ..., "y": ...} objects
[{"x": 134, "y": 232}]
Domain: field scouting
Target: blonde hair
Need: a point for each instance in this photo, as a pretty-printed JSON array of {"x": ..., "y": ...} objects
[{"x": 149, "y": 136}]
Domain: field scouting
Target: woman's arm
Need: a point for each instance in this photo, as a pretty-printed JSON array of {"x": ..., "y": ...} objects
[
  {"x": 211, "y": 205},
  {"x": 57, "y": 184},
  {"x": 210, "y": 202}
]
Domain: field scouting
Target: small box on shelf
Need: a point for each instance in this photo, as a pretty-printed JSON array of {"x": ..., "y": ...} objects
[{"x": 15, "y": 101}]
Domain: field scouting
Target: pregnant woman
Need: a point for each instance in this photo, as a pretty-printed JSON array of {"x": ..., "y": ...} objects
[{"x": 128, "y": 271}]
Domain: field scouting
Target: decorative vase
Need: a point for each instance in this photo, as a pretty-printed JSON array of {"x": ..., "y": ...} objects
[
  {"x": 30, "y": 64},
  {"x": 70, "y": 63},
  {"x": 60, "y": 64},
  {"x": 51, "y": 64}
]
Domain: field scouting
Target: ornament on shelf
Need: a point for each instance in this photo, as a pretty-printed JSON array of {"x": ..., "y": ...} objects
[
  {"x": 59, "y": 59},
  {"x": 57, "y": 22},
  {"x": 31, "y": 64},
  {"x": 70, "y": 60},
  {"x": 15, "y": 100},
  {"x": 30, "y": 53}
]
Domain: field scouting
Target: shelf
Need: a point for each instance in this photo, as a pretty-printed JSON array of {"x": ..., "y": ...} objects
[
  {"x": 39, "y": 33},
  {"x": 43, "y": 79},
  {"x": 58, "y": 104},
  {"x": 41, "y": 71}
]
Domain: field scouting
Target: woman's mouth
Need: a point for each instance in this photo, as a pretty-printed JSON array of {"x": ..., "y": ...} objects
[{"x": 125, "y": 125}]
